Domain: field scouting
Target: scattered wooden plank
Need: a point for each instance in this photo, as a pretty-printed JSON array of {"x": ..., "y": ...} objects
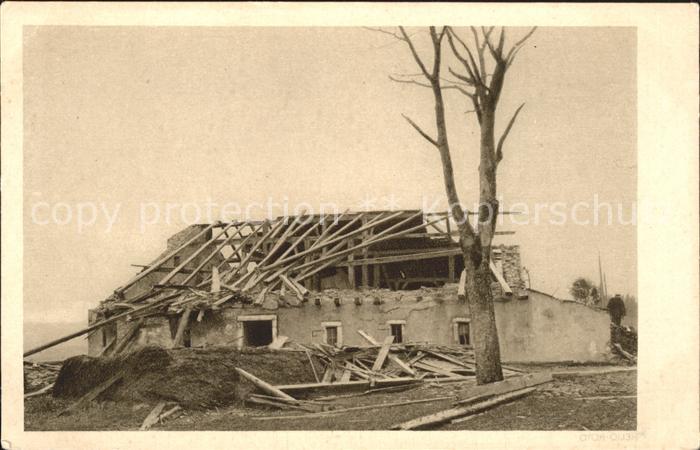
[
  {"x": 345, "y": 377},
  {"x": 276, "y": 403},
  {"x": 591, "y": 372},
  {"x": 152, "y": 417},
  {"x": 403, "y": 387},
  {"x": 454, "y": 413},
  {"x": 406, "y": 367},
  {"x": 169, "y": 412},
  {"x": 360, "y": 373},
  {"x": 284, "y": 400},
  {"x": 41, "y": 391},
  {"x": 313, "y": 368},
  {"x": 367, "y": 337},
  {"x": 383, "y": 352},
  {"x": 511, "y": 384},
  {"x": 435, "y": 369},
  {"x": 357, "y": 408},
  {"x": 306, "y": 388},
  {"x": 624, "y": 353},
  {"x": 605, "y": 397},
  {"x": 328, "y": 375},
  {"x": 450, "y": 359},
  {"x": 278, "y": 343},
  {"x": 263, "y": 386}
]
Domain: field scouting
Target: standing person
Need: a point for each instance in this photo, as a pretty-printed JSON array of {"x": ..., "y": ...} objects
[{"x": 616, "y": 309}]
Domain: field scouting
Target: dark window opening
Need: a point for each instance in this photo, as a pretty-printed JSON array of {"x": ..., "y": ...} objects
[
  {"x": 109, "y": 333},
  {"x": 397, "y": 332},
  {"x": 463, "y": 333},
  {"x": 187, "y": 338},
  {"x": 332, "y": 336},
  {"x": 257, "y": 333}
]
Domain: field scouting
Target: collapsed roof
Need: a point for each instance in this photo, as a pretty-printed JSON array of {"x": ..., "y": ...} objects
[{"x": 206, "y": 266}]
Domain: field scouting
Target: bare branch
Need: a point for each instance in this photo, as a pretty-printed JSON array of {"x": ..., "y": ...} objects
[
  {"x": 499, "y": 148},
  {"x": 491, "y": 47},
  {"x": 444, "y": 86},
  {"x": 437, "y": 40},
  {"x": 415, "y": 54},
  {"x": 420, "y": 131},
  {"x": 380, "y": 30},
  {"x": 501, "y": 42},
  {"x": 480, "y": 49},
  {"x": 457, "y": 82},
  {"x": 472, "y": 68},
  {"x": 468, "y": 81},
  {"x": 518, "y": 45}
]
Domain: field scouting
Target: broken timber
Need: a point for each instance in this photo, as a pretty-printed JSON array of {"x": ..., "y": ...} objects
[
  {"x": 454, "y": 413},
  {"x": 263, "y": 386}
]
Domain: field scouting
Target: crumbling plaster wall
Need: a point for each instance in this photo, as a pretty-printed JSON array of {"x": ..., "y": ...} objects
[{"x": 539, "y": 328}]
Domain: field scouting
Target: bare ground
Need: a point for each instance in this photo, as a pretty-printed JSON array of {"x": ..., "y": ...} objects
[{"x": 560, "y": 405}]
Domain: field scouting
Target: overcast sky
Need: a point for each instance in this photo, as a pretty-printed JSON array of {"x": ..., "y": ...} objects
[{"x": 130, "y": 119}]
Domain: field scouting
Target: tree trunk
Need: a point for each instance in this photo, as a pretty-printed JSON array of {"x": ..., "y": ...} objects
[{"x": 483, "y": 320}]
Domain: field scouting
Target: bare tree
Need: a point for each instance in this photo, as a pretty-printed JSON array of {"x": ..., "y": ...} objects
[{"x": 479, "y": 77}]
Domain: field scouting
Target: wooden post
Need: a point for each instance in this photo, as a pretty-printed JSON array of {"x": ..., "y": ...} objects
[
  {"x": 461, "y": 289},
  {"x": 365, "y": 268},
  {"x": 351, "y": 268},
  {"x": 182, "y": 325},
  {"x": 451, "y": 268},
  {"x": 375, "y": 275}
]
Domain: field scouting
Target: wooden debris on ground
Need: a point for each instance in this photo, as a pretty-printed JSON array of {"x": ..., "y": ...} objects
[
  {"x": 38, "y": 376},
  {"x": 454, "y": 413},
  {"x": 152, "y": 417},
  {"x": 358, "y": 408},
  {"x": 622, "y": 352},
  {"x": 44, "y": 390}
]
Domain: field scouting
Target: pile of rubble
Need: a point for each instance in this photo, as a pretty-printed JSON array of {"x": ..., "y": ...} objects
[
  {"x": 39, "y": 377},
  {"x": 624, "y": 341}
]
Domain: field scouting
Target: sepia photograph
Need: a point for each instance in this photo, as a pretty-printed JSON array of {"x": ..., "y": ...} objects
[{"x": 324, "y": 228}]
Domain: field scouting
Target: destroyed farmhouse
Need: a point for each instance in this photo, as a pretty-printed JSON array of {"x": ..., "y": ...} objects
[{"x": 329, "y": 280}]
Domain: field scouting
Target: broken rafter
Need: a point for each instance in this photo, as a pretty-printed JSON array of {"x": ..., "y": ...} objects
[
  {"x": 241, "y": 246},
  {"x": 100, "y": 324},
  {"x": 271, "y": 233},
  {"x": 374, "y": 240},
  {"x": 211, "y": 254},
  {"x": 162, "y": 260},
  {"x": 190, "y": 258},
  {"x": 331, "y": 241}
]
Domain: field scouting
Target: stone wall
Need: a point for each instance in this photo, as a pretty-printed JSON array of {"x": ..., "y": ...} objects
[{"x": 536, "y": 328}]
